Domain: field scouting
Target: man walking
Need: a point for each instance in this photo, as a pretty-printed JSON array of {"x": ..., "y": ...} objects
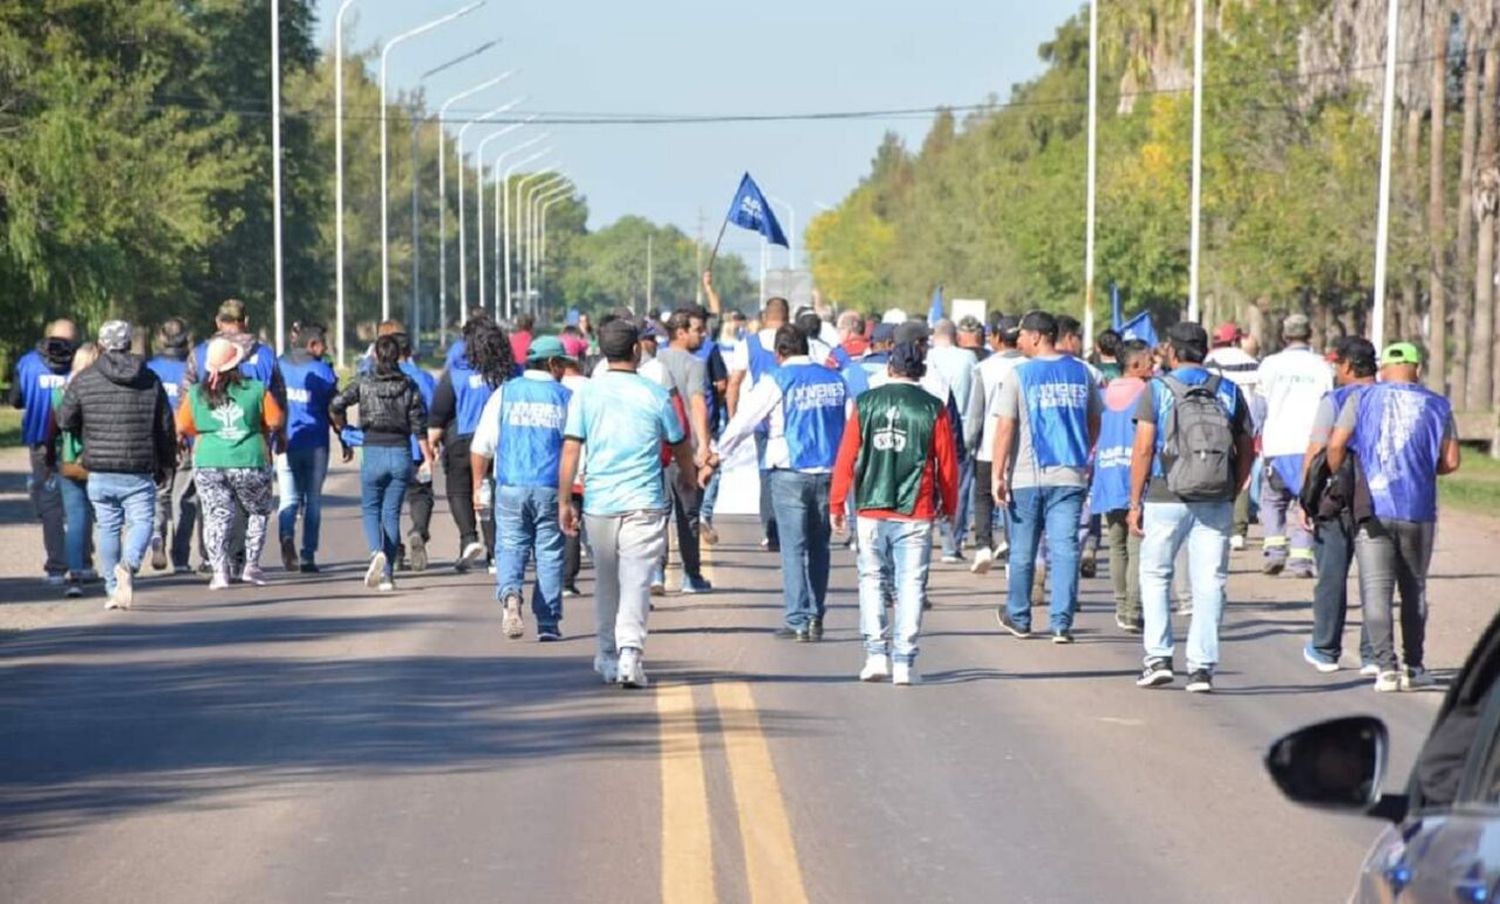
[
  {"x": 1048, "y": 423},
  {"x": 616, "y": 426},
  {"x": 39, "y": 372},
  {"x": 752, "y": 360},
  {"x": 979, "y": 433},
  {"x": 311, "y": 385},
  {"x": 681, "y": 367},
  {"x": 419, "y": 496},
  {"x": 1110, "y": 489},
  {"x": 521, "y": 430},
  {"x": 177, "y": 496},
  {"x": 1193, "y": 450},
  {"x": 958, "y": 368},
  {"x": 806, "y": 405},
  {"x": 1291, "y": 383},
  {"x": 1404, "y": 437},
  {"x": 1229, "y": 359},
  {"x": 120, "y": 410},
  {"x": 899, "y": 460}
]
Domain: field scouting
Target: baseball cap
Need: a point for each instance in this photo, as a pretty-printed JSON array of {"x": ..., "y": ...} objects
[
  {"x": 912, "y": 331},
  {"x": 1227, "y": 333},
  {"x": 1187, "y": 334},
  {"x": 231, "y": 311},
  {"x": 545, "y": 348},
  {"x": 1008, "y": 327},
  {"x": 907, "y": 359},
  {"x": 1401, "y": 353},
  {"x": 114, "y": 336},
  {"x": 1296, "y": 326},
  {"x": 883, "y": 332},
  {"x": 971, "y": 324}
]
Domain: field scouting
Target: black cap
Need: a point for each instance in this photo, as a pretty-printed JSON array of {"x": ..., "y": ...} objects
[
  {"x": 912, "y": 331},
  {"x": 907, "y": 360},
  {"x": 1008, "y": 328},
  {"x": 1185, "y": 334},
  {"x": 618, "y": 339}
]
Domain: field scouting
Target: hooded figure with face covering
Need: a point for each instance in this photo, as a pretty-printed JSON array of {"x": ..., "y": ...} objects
[{"x": 38, "y": 373}]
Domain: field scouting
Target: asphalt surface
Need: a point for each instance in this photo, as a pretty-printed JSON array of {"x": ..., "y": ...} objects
[{"x": 312, "y": 740}]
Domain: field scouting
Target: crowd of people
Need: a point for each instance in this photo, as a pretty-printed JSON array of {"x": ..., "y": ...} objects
[{"x": 906, "y": 438}]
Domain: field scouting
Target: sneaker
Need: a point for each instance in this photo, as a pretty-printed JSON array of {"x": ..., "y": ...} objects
[
  {"x": 1414, "y": 677},
  {"x": 1302, "y": 568},
  {"x": 55, "y": 580},
  {"x": 491, "y": 568},
  {"x": 1088, "y": 566},
  {"x": 904, "y": 674},
  {"x": 658, "y": 588},
  {"x": 74, "y": 591},
  {"x": 124, "y": 585},
  {"x": 1003, "y": 550},
  {"x": 984, "y": 557},
  {"x": 1272, "y": 566},
  {"x": 182, "y": 569},
  {"x": 707, "y": 534},
  {"x": 386, "y": 585},
  {"x": 1319, "y": 661},
  {"x": 471, "y": 554},
  {"x": 1128, "y": 626},
  {"x": 416, "y": 551},
  {"x": 1237, "y": 542},
  {"x": 1184, "y": 608},
  {"x": 1157, "y": 672},
  {"x": 158, "y": 554},
  {"x": 111, "y": 603},
  {"x": 571, "y": 590},
  {"x": 691, "y": 584},
  {"x": 511, "y": 623},
  {"x": 1369, "y": 670},
  {"x": 205, "y": 569},
  {"x": 815, "y": 630},
  {"x": 786, "y": 632},
  {"x": 877, "y": 668},
  {"x": 1063, "y": 636},
  {"x": 1006, "y": 622},
  {"x": 608, "y": 667},
  {"x": 632, "y": 671},
  {"x": 220, "y": 581},
  {"x": 549, "y": 634},
  {"x": 253, "y": 575},
  {"x": 289, "y": 560},
  {"x": 1385, "y": 682},
  {"x": 88, "y": 576},
  {"x": 952, "y": 558},
  {"x": 308, "y": 568},
  {"x": 1201, "y": 681},
  {"x": 376, "y": 572}
]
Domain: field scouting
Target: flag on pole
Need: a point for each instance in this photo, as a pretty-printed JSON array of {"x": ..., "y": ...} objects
[
  {"x": 751, "y": 211},
  {"x": 1139, "y": 327},
  {"x": 1116, "y": 320},
  {"x": 935, "y": 310}
]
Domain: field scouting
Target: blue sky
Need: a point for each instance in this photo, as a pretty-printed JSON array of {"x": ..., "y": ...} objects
[{"x": 673, "y": 57}]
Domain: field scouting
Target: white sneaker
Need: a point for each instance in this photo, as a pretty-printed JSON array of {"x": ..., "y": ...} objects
[
  {"x": 55, "y": 580},
  {"x": 471, "y": 554},
  {"x": 877, "y": 668},
  {"x": 631, "y": 672},
  {"x": 386, "y": 585},
  {"x": 376, "y": 571},
  {"x": 511, "y": 622},
  {"x": 111, "y": 604},
  {"x": 124, "y": 586},
  {"x": 904, "y": 674},
  {"x": 1388, "y": 681},
  {"x": 1237, "y": 542},
  {"x": 253, "y": 575},
  {"x": 608, "y": 667},
  {"x": 220, "y": 581},
  {"x": 984, "y": 557},
  {"x": 1369, "y": 670},
  {"x": 952, "y": 559}
]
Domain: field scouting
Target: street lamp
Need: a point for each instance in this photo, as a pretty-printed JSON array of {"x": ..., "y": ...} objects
[
  {"x": 542, "y": 203},
  {"x": 458, "y": 153},
  {"x": 521, "y": 218},
  {"x": 385, "y": 53},
  {"x": 538, "y": 192},
  {"x": 338, "y": 179},
  {"x": 443, "y": 201},
  {"x": 495, "y": 171},
  {"x": 479, "y": 194},
  {"x": 791, "y": 248},
  {"x": 503, "y": 185},
  {"x": 276, "y": 170}
]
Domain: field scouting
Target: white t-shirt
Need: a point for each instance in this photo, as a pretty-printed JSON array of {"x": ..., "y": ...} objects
[
  {"x": 1291, "y": 383},
  {"x": 650, "y": 368},
  {"x": 993, "y": 371}
]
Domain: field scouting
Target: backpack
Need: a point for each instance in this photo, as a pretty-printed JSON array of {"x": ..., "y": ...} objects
[
  {"x": 1198, "y": 450},
  {"x": 1328, "y": 494}
]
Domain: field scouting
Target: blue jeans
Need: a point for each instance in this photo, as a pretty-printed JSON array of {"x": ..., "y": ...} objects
[
  {"x": 80, "y": 520},
  {"x": 299, "y": 480},
  {"x": 526, "y": 520},
  {"x": 384, "y": 472},
  {"x": 1205, "y": 527},
  {"x": 902, "y": 549},
  {"x": 1033, "y": 511},
  {"x": 710, "y": 499},
  {"x": 124, "y": 504},
  {"x": 801, "y": 505},
  {"x": 953, "y": 537}
]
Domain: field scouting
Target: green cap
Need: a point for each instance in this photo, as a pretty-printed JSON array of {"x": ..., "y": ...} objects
[
  {"x": 544, "y": 348},
  {"x": 1401, "y": 353}
]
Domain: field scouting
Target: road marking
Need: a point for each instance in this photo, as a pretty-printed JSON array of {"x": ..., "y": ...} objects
[
  {"x": 771, "y": 867},
  {"x": 687, "y": 860}
]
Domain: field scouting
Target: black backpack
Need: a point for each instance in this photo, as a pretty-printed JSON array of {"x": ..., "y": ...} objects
[{"x": 1198, "y": 450}]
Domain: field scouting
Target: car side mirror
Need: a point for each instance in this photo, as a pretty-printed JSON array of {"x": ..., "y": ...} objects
[{"x": 1334, "y": 765}]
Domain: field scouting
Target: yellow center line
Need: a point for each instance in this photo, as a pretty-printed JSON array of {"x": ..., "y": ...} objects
[
  {"x": 687, "y": 861},
  {"x": 771, "y": 867}
]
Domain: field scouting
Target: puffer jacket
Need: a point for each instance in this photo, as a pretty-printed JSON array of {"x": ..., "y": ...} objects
[
  {"x": 120, "y": 411},
  {"x": 390, "y": 407}
]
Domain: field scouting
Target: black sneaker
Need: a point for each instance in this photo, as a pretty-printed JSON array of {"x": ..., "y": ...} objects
[
  {"x": 1157, "y": 672},
  {"x": 1201, "y": 681},
  {"x": 549, "y": 634},
  {"x": 289, "y": 554},
  {"x": 788, "y": 633},
  {"x": 308, "y": 568},
  {"x": 1062, "y": 637},
  {"x": 1088, "y": 566},
  {"x": 815, "y": 630},
  {"x": 1003, "y": 617}
]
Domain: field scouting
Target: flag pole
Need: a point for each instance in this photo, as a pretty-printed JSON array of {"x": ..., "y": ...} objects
[{"x": 712, "y": 257}]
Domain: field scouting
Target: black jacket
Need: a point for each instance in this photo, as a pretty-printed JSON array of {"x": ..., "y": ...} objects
[
  {"x": 390, "y": 407},
  {"x": 119, "y": 409}
]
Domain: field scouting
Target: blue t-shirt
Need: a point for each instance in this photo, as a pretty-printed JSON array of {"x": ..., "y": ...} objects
[
  {"x": 622, "y": 419},
  {"x": 426, "y": 386},
  {"x": 310, "y": 385},
  {"x": 169, "y": 370},
  {"x": 35, "y": 382}
]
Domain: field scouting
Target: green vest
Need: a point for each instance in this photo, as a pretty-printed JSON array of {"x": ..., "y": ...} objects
[
  {"x": 230, "y": 436},
  {"x": 896, "y": 424}
]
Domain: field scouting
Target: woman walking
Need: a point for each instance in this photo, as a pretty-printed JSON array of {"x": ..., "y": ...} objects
[
  {"x": 73, "y": 482},
  {"x": 391, "y": 413},
  {"x": 232, "y": 416}
]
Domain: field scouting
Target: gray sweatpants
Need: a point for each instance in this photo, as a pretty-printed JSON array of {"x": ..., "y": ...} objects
[
  {"x": 626, "y": 551},
  {"x": 46, "y": 499},
  {"x": 1393, "y": 555}
]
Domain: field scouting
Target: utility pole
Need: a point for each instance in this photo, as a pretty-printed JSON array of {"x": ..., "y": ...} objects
[
  {"x": 698, "y": 272},
  {"x": 649, "y": 302}
]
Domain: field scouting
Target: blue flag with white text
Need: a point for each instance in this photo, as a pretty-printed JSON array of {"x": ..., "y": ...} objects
[
  {"x": 1139, "y": 327},
  {"x": 751, "y": 211}
]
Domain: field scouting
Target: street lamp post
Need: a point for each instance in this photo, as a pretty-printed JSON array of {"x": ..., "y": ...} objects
[
  {"x": 1383, "y": 213},
  {"x": 276, "y": 171},
  {"x": 538, "y": 193},
  {"x": 791, "y": 249},
  {"x": 542, "y": 203},
  {"x": 479, "y": 195},
  {"x": 1093, "y": 142},
  {"x": 521, "y": 223},
  {"x": 458, "y": 153},
  {"x": 338, "y": 179},
  {"x": 385, "y": 53},
  {"x": 495, "y": 172},
  {"x": 503, "y": 186}
]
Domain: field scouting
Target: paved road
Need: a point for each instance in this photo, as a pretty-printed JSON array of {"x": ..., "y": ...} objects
[{"x": 314, "y": 741}]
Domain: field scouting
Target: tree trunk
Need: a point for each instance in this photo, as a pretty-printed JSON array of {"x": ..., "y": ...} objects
[
  {"x": 1485, "y": 200},
  {"x": 1437, "y": 367},
  {"x": 1464, "y": 308}
]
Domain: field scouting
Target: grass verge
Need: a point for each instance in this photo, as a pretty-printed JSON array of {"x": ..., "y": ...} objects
[
  {"x": 1475, "y": 487},
  {"x": 10, "y": 427}
]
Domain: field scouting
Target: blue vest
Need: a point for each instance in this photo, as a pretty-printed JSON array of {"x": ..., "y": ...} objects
[
  {"x": 1057, "y": 405},
  {"x": 310, "y": 385},
  {"x": 1399, "y": 440},
  {"x": 169, "y": 370},
  {"x": 1110, "y": 490},
  {"x": 470, "y": 392},
  {"x": 532, "y": 415},
  {"x": 812, "y": 407},
  {"x": 840, "y": 357},
  {"x": 258, "y": 365},
  {"x": 762, "y": 359},
  {"x": 855, "y": 376},
  {"x": 426, "y": 387},
  {"x": 704, "y": 353},
  {"x": 36, "y": 382}
]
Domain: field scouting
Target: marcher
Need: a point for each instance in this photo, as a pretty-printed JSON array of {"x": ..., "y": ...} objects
[
  {"x": 1404, "y": 437},
  {"x": 752, "y": 361},
  {"x": 616, "y": 426},
  {"x": 119, "y": 409},
  {"x": 805, "y": 405},
  {"x": 682, "y": 370},
  {"x": 38, "y": 373},
  {"x": 73, "y": 482},
  {"x": 391, "y": 413},
  {"x": 1332, "y": 521},
  {"x": 898, "y": 459},
  {"x": 419, "y": 494},
  {"x": 1107, "y": 347},
  {"x": 301, "y": 470},
  {"x": 1048, "y": 423},
  {"x": 232, "y": 420},
  {"x": 1290, "y": 385},
  {"x": 958, "y": 368},
  {"x": 177, "y": 496},
  {"x": 521, "y": 432},
  {"x": 1109, "y": 491},
  {"x": 979, "y": 434},
  {"x": 1231, "y": 358},
  {"x": 1193, "y": 451},
  {"x": 716, "y": 371}
]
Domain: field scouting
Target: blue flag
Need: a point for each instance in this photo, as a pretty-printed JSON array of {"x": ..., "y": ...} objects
[
  {"x": 935, "y": 310},
  {"x": 751, "y": 211},
  {"x": 1117, "y": 320},
  {"x": 1139, "y": 327}
]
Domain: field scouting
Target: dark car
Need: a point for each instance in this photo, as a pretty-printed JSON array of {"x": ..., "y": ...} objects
[{"x": 1443, "y": 843}]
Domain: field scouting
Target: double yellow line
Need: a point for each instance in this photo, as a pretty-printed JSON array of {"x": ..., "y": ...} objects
[{"x": 687, "y": 862}]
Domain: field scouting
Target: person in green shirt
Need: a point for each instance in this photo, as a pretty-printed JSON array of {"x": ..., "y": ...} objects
[{"x": 73, "y": 483}]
